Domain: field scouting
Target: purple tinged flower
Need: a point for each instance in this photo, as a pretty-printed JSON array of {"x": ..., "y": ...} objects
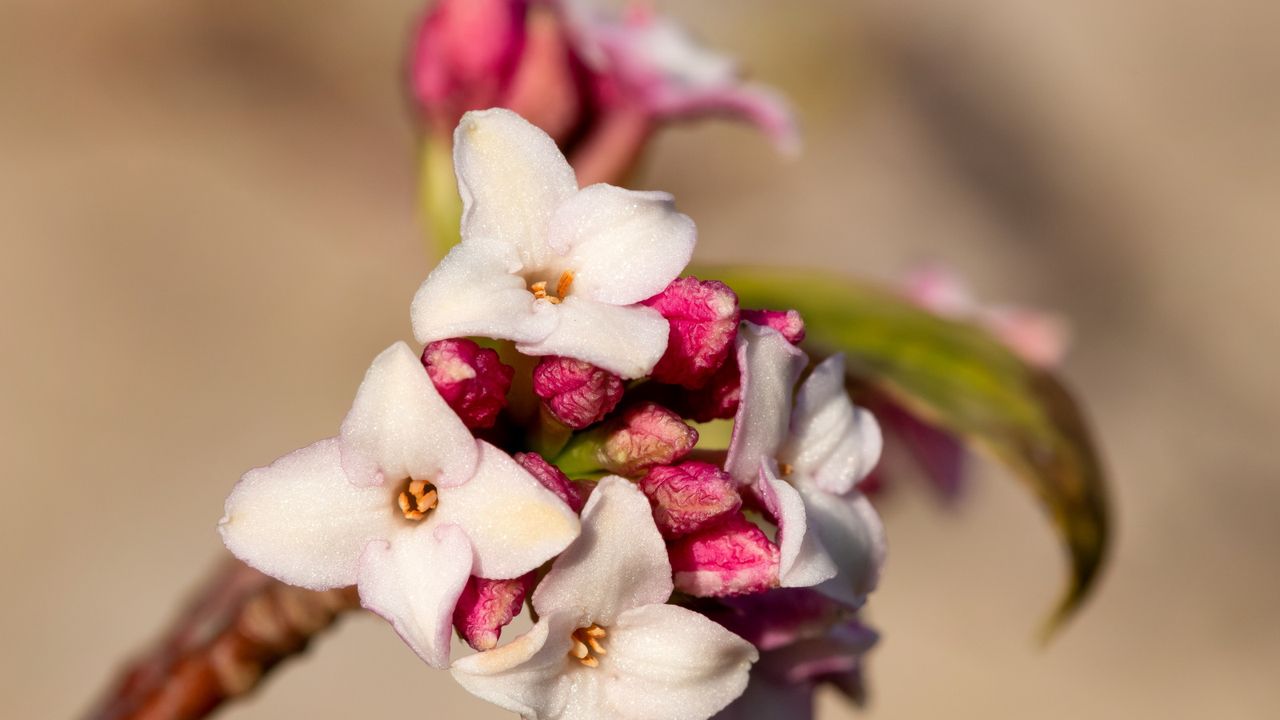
[
  {"x": 486, "y": 606},
  {"x": 732, "y": 557},
  {"x": 645, "y": 436},
  {"x": 787, "y": 322},
  {"x": 689, "y": 496},
  {"x": 471, "y": 379},
  {"x": 576, "y": 392},
  {"x": 703, "y": 316},
  {"x": 573, "y": 493}
]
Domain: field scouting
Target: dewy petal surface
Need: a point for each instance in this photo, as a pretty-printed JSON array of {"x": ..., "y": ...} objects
[
  {"x": 852, "y": 534},
  {"x": 803, "y": 560},
  {"x": 475, "y": 291},
  {"x": 513, "y": 522},
  {"x": 627, "y": 341},
  {"x": 399, "y": 427},
  {"x": 414, "y": 583},
  {"x": 770, "y": 367},
  {"x": 619, "y": 562},
  {"x": 511, "y": 177},
  {"x": 670, "y": 663},
  {"x": 300, "y": 520},
  {"x": 623, "y": 246},
  {"x": 833, "y": 442}
]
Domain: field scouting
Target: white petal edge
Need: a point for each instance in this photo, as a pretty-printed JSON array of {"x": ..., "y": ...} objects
[
  {"x": 770, "y": 367},
  {"x": 802, "y": 561},
  {"x": 511, "y": 177},
  {"x": 414, "y": 582},
  {"x": 619, "y": 562},
  {"x": 399, "y": 427},
  {"x": 623, "y": 246},
  {"x": 852, "y": 535},
  {"x": 476, "y": 290},
  {"x": 627, "y": 341},
  {"x": 301, "y": 521},
  {"x": 832, "y": 441},
  {"x": 513, "y": 522}
]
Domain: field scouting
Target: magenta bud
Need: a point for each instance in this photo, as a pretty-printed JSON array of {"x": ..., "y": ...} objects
[
  {"x": 486, "y": 606},
  {"x": 471, "y": 379},
  {"x": 572, "y": 493},
  {"x": 644, "y": 436},
  {"x": 732, "y": 557},
  {"x": 703, "y": 319},
  {"x": 576, "y": 393},
  {"x": 689, "y": 496},
  {"x": 787, "y": 322}
]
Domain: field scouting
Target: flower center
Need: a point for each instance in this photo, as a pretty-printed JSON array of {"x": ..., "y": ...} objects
[
  {"x": 784, "y": 469},
  {"x": 539, "y": 289},
  {"x": 417, "y": 498},
  {"x": 587, "y": 647}
]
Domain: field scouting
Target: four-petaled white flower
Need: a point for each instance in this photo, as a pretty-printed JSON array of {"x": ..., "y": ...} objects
[
  {"x": 804, "y": 462},
  {"x": 405, "y": 503},
  {"x": 556, "y": 269},
  {"x": 606, "y": 644}
]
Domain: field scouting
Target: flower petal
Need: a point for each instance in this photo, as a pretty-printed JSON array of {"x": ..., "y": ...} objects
[
  {"x": 770, "y": 367},
  {"x": 627, "y": 341},
  {"x": 619, "y": 561},
  {"x": 853, "y": 536},
  {"x": 511, "y": 177},
  {"x": 833, "y": 442},
  {"x": 513, "y": 522},
  {"x": 399, "y": 427},
  {"x": 475, "y": 291},
  {"x": 414, "y": 582},
  {"x": 803, "y": 561},
  {"x": 301, "y": 521},
  {"x": 623, "y": 246},
  {"x": 670, "y": 663}
]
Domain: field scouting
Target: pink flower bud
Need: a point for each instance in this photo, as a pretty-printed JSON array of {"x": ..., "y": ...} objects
[
  {"x": 574, "y": 494},
  {"x": 486, "y": 606},
  {"x": 732, "y": 557},
  {"x": 645, "y": 436},
  {"x": 577, "y": 393},
  {"x": 689, "y": 496},
  {"x": 471, "y": 379},
  {"x": 781, "y": 616},
  {"x": 787, "y": 322},
  {"x": 703, "y": 316}
]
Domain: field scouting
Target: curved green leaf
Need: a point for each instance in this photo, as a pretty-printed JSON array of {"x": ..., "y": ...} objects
[{"x": 956, "y": 376}]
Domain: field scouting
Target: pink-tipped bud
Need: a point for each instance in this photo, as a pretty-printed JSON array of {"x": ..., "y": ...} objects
[
  {"x": 471, "y": 379},
  {"x": 574, "y": 494},
  {"x": 703, "y": 317},
  {"x": 787, "y": 322},
  {"x": 689, "y": 496},
  {"x": 577, "y": 393},
  {"x": 645, "y": 436},
  {"x": 486, "y": 606},
  {"x": 732, "y": 557}
]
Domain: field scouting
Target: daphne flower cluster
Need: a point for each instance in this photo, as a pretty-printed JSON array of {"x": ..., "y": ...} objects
[{"x": 541, "y": 450}]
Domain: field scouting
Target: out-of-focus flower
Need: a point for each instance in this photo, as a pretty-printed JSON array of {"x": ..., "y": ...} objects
[
  {"x": 689, "y": 496},
  {"x": 558, "y": 270},
  {"x": 575, "y": 392},
  {"x": 606, "y": 645},
  {"x": 486, "y": 606},
  {"x": 405, "y": 503},
  {"x": 471, "y": 379},
  {"x": 803, "y": 463},
  {"x": 732, "y": 557},
  {"x": 704, "y": 321}
]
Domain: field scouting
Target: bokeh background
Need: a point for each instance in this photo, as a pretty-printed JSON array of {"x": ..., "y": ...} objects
[{"x": 208, "y": 229}]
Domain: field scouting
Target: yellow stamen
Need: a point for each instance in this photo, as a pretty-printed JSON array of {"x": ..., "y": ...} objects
[
  {"x": 566, "y": 280},
  {"x": 586, "y": 647},
  {"x": 539, "y": 289},
  {"x": 417, "y": 499}
]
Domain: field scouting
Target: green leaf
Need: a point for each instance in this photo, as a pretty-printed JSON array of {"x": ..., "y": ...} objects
[{"x": 956, "y": 376}]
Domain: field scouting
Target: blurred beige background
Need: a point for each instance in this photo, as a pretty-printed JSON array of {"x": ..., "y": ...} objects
[{"x": 207, "y": 223}]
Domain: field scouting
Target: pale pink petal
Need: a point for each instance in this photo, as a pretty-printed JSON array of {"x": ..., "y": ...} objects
[
  {"x": 627, "y": 341},
  {"x": 760, "y": 106},
  {"x": 619, "y": 561},
  {"x": 301, "y": 521},
  {"x": 513, "y": 522},
  {"x": 770, "y": 367},
  {"x": 852, "y": 535},
  {"x": 803, "y": 561},
  {"x": 622, "y": 245},
  {"x": 399, "y": 427},
  {"x": 414, "y": 583},
  {"x": 833, "y": 442}
]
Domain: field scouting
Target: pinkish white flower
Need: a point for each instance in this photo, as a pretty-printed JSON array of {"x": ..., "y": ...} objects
[
  {"x": 471, "y": 379},
  {"x": 606, "y": 645},
  {"x": 404, "y": 503},
  {"x": 575, "y": 392},
  {"x": 558, "y": 270}
]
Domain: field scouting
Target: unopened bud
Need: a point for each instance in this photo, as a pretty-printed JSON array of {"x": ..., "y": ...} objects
[
  {"x": 732, "y": 557},
  {"x": 689, "y": 496},
  {"x": 576, "y": 393},
  {"x": 703, "y": 319},
  {"x": 471, "y": 379}
]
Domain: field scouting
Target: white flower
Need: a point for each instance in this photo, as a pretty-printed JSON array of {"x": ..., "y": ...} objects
[
  {"x": 556, "y": 269},
  {"x": 404, "y": 503},
  {"x": 606, "y": 645},
  {"x": 804, "y": 462}
]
